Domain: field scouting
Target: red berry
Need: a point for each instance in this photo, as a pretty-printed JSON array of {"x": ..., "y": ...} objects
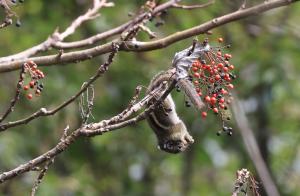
[
  {"x": 196, "y": 82},
  {"x": 231, "y": 67},
  {"x": 222, "y": 106},
  {"x": 196, "y": 75},
  {"x": 29, "y": 96},
  {"x": 220, "y": 39},
  {"x": 195, "y": 69},
  {"x": 213, "y": 101},
  {"x": 204, "y": 114},
  {"x": 219, "y": 53},
  {"x": 225, "y": 69},
  {"x": 26, "y": 65},
  {"x": 227, "y": 56},
  {"x": 198, "y": 89},
  {"x": 222, "y": 100},
  {"x": 230, "y": 86},
  {"x": 215, "y": 110},
  {"x": 217, "y": 77},
  {"x": 220, "y": 65},
  {"x": 228, "y": 79},
  {"x": 207, "y": 99},
  {"x": 196, "y": 64},
  {"x": 223, "y": 91},
  {"x": 31, "y": 84},
  {"x": 26, "y": 87},
  {"x": 31, "y": 63},
  {"x": 199, "y": 94}
]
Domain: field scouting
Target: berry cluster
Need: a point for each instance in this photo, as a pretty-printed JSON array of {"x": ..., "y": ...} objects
[
  {"x": 35, "y": 75},
  {"x": 212, "y": 75}
]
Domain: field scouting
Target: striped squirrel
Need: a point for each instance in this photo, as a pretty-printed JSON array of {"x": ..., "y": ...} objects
[{"x": 170, "y": 130}]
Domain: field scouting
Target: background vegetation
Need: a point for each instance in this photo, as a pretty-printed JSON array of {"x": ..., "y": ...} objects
[{"x": 265, "y": 51}]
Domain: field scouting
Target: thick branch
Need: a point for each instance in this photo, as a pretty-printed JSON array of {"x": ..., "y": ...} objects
[
  {"x": 115, "y": 31},
  {"x": 152, "y": 45},
  {"x": 55, "y": 40}
]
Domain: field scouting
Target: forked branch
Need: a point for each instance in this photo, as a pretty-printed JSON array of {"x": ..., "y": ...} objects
[{"x": 136, "y": 46}]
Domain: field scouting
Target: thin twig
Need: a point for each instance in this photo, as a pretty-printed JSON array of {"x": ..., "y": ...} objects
[
  {"x": 17, "y": 95},
  {"x": 148, "y": 31},
  {"x": 190, "y": 7},
  {"x": 86, "y": 103},
  {"x": 41, "y": 176},
  {"x": 9, "y": 14},
  {"x": 243, "y": 6},
  {"x": 105, "y": 126}
]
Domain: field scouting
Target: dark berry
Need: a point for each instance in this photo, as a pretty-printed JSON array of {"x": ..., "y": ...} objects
[
  {"x": 187, "y": 104},
  {"x": 18, "y": 23}
]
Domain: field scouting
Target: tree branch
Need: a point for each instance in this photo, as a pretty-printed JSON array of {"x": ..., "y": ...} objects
[
  {"x": 16, "y": 97},
  {"x": 253, "y": 149},
  {"x": 115, "y": 31},
  {"x": 55, "y": 40},
  {"x": 136, "y": 46},
  {"x": 92, "y": 129},
  {"x": 190, "y": 7},
  {"x": 56, "y": 36},
  {"x": 43, "y": 111},
  {"x": 9, "y": 14}
]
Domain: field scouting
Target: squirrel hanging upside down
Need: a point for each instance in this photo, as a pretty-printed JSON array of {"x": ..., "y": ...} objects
[{"x": 170, "y": 130}]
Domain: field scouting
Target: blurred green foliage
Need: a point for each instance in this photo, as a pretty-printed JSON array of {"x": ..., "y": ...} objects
[{"x": 266, "y": 53}]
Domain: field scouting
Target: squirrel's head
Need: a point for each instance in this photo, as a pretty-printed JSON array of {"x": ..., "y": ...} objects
[{"x": 176, "y": 140}]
